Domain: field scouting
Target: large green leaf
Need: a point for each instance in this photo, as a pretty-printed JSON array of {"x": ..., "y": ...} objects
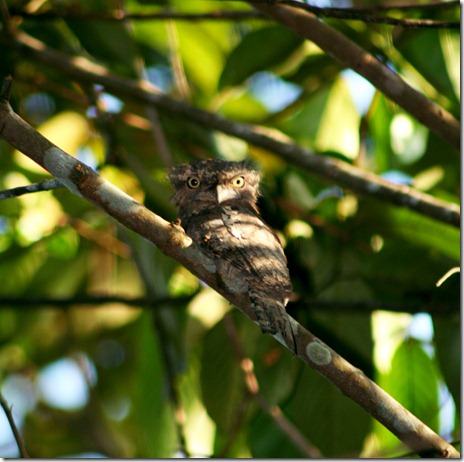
[
  {"x": 435, "y": 54},
  {"x": 447, "y": 337},
  {"x": 109, "y": 42},
  {"x": 221, "y": 379},
  {"x": 151, "y": 418},
  {"x": 329, "y": 420},
  {"x": 259, "y": 50},
  {"x": 327, "y": 121},
  {"x": 379, "y": 118},
  {"x": 413, "y": 380}
]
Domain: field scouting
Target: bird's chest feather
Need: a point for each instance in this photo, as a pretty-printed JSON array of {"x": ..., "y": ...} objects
[
  {"x": 227, "y": 227},
  {"x": 232, "y": 223}
]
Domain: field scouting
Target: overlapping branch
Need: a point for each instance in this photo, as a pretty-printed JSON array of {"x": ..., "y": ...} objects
[
  {"x": 170, "y": 238},
  {"x": 342, "y": 173}
]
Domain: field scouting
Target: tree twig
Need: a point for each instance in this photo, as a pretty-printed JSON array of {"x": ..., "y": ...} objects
[
  {"x": 171, "y": 240},
  {"x": 94, "y": 301},
  {"x": 252, "y": 386},
  {"x": 46, "y": 185},
  {"x": 368, "y": 15},
  {"x": 360, "y": 181},
  {"x": 218, "y": 15},
  {"x": 14, "y": 429}
]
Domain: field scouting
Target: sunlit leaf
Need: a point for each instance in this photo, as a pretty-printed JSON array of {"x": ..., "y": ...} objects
[
  {"x": 339, "y": 126},
  {"x": 68, "y": 130},
  {"x": 412, "y": 380}
]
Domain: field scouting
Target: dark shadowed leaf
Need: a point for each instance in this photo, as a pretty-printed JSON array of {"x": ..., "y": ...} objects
[{"x": 260, "y": 49}]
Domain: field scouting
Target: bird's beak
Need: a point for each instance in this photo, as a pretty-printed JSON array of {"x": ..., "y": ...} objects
[{"x": 224, "y": 193}]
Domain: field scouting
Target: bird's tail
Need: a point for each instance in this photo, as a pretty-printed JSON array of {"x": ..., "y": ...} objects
[{"x": 272, "y": 318}]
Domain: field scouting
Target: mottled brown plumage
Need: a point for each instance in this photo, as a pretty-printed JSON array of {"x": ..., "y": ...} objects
[{"x": 217, "y": 209}]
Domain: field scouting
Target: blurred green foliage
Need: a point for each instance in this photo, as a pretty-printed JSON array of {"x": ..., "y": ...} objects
[{"x": 165, "y": 377}]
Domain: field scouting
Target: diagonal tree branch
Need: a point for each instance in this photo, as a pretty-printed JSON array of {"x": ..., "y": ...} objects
[
  {"x": 360, "y": 181},
  {"x": 335, "y": 44},
  {"x": 170, "y": 238}
]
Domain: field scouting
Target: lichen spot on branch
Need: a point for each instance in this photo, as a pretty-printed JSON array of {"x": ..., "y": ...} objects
[
  {"x": 318, "y": 354},
  {"x": 61, "y": 165}
]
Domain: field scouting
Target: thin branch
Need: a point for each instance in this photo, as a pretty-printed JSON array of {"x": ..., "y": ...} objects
[
  {"x": 347, "y": 52},
  {"x": 103, "y": 238},
  {"x": 252, "y": 386},
  {"x": 393, "y": 6},
  {"x": 368, "y": 15},
  {"x": 360, "y": 181},
  {"x": 19, "y": 441},
  {"x": 172, "y": 241},
  {"x": 46, "y": 185},
  {"x": 307, "y": 305},
  {"x": 219, "y": 15},
  {"x": 441, "y": 5},
  {"x": 5, "y": 16},
  {"x": 95, "y": 301}
]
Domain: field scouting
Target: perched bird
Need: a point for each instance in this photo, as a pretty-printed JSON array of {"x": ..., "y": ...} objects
[{"x": 218, "y": 211}]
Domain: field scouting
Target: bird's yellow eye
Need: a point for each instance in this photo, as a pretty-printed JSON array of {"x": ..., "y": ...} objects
[
  {"x": 193, "y": 182},
  {"x": 238, "y": 182}
]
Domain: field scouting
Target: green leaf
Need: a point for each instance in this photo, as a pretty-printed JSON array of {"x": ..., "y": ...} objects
[
  {"x": 267, "y": 440},
  {"x": 259, "y": 50},
  {"x": 435, "y": 54},
  {"x": 203, "y": 64},
  {"x": 447, "y": 339},
  {"x": 243, "y": 108},
  {"x": 303, "y": 125},
  {"x": 199, "y": 429},
  {"x": 152, "y": 425},
  {"x": 109, "y": 42},
  {"x": 380, "y": 116},
  {"x": 338, "y": 128},
  {"x": 413, "y": 381},
  {"x": 221, "y": 378},
  {"x": 329, "y": 420},
  {"x": 327, "y": 121}
]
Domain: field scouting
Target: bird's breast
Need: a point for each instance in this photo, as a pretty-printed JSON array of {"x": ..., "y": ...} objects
[{"x": 229, "y": 218}]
